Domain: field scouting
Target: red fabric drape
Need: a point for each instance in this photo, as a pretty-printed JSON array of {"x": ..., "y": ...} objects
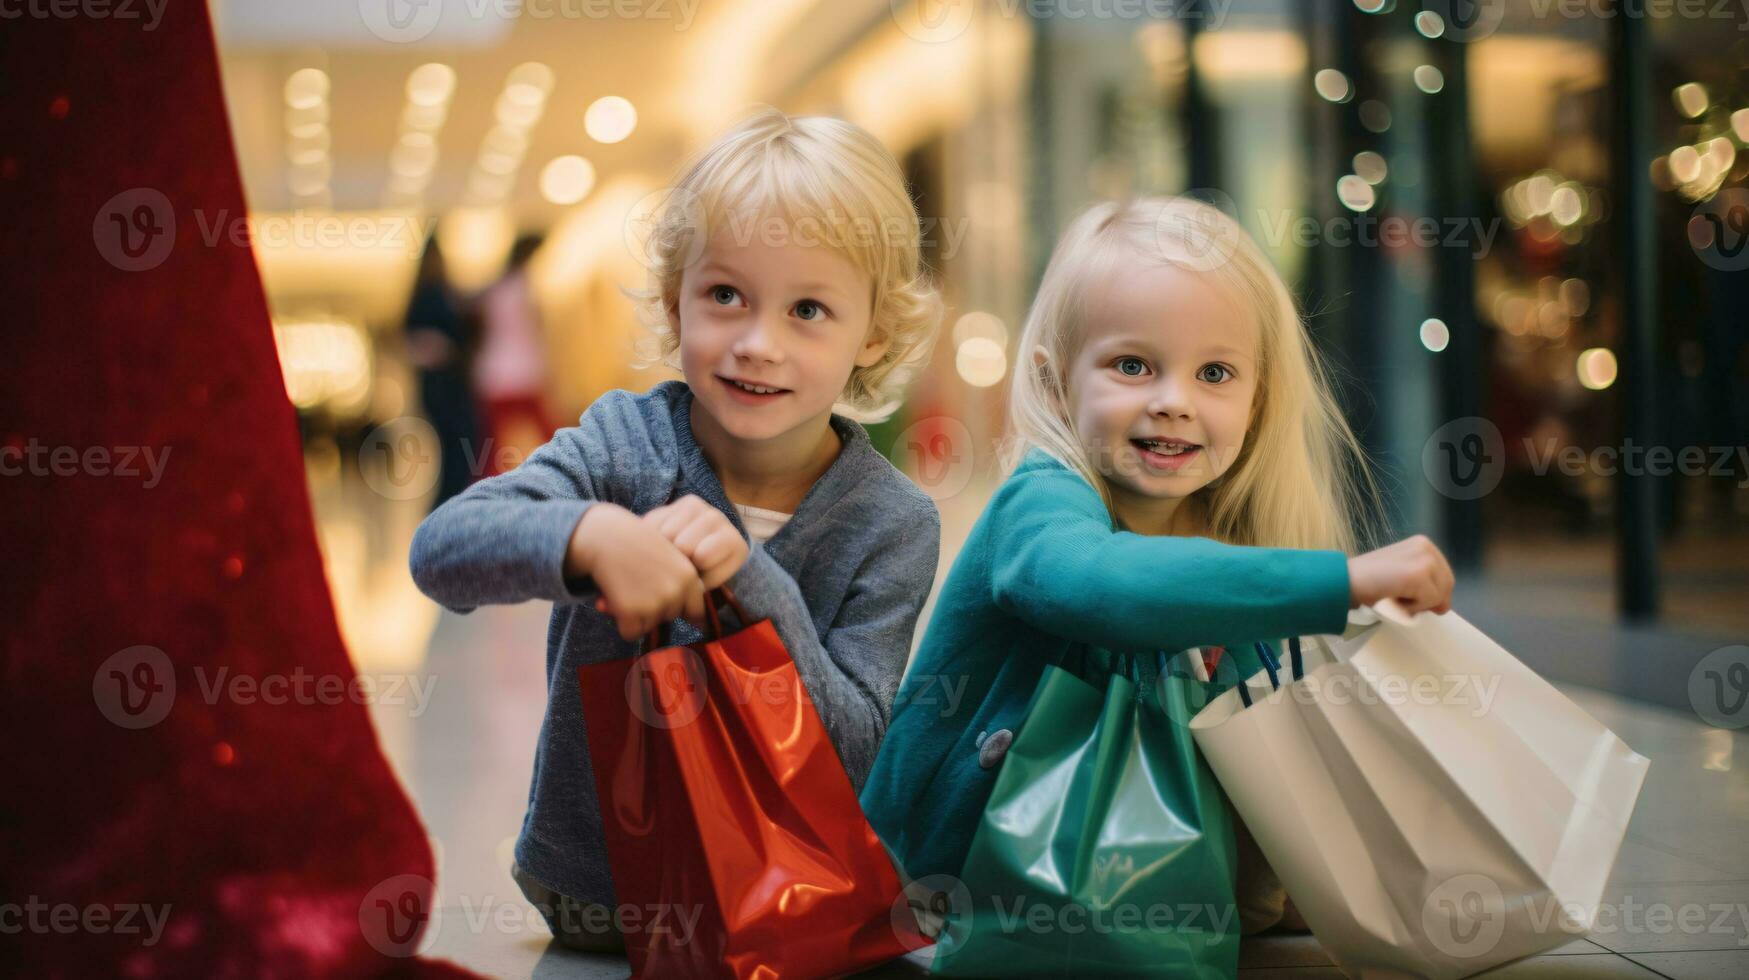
[{"x": 259, "y": 837}]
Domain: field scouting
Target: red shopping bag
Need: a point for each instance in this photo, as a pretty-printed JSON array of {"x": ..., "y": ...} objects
[{"x": 731, "y": 828}]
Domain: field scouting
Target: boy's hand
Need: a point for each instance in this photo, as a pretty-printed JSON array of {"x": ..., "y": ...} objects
[
  {"x": 1412, "y": 571},
  {"x": 703, "y": 534},
  {"x": 644, "y": 579}
]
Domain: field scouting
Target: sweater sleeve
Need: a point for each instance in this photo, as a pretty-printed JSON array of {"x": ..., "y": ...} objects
[
  {"x": 1057, "y": 564},
  {"x": 852, "y": 672},
  {"x": 504, "y": 540}
]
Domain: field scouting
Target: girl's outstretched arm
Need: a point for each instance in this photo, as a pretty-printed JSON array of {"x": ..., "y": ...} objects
[{"x": 1057, "y": 564}]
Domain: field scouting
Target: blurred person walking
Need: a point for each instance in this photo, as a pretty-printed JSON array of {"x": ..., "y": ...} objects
[
  {"x": 439, "y": 347},
  {"x": 509, "y": 372}
]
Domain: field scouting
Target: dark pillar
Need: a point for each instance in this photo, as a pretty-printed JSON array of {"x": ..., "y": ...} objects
[
  {"x": 1637, "y": 278},
  {"x": 1463, "y": 374}
]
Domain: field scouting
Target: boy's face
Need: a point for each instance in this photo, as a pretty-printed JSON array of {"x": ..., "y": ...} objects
[
  {"x": 788, "y": 317},
  {"x": 1168, "y": 356}
]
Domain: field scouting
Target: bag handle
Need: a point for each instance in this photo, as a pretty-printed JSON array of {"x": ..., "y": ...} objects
[
  {"x": 1387, "y": 610},
  {"x": 1270, "y": 664},
  {"x": 659, "y": 635}
]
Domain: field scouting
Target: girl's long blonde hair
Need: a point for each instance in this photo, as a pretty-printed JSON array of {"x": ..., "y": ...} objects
[{"x": 1302, "y": 479}]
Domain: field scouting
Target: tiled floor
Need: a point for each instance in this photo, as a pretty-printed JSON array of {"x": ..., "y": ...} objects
[{"x": 466, "y": 759}]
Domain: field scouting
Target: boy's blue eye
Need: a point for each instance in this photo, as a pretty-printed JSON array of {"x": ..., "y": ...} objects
[
  {"x": 807, "y": 309},
  {"x": 724, "y": 295},
  {"x": 1222, "y": 376},
  {"x": 1124, "y": 365}
]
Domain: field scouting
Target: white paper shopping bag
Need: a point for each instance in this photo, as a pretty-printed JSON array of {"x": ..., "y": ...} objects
[{"x": 1433, "y": 806}]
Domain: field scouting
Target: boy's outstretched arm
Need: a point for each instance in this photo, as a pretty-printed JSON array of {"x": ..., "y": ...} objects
[
  {"x": 505, "y": 539},
  {"x": 852, "y": 672}
]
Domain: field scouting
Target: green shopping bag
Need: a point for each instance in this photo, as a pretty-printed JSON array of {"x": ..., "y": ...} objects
[{"x": 1106, "y": 848}]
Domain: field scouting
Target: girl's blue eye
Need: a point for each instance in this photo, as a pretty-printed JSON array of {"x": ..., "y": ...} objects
[
  {"x": 724, "y": 295},
  {"x": 807, "y": 309},
  {"x": 1222, "y": 368},
  {"x": 1124, "y": 364}
]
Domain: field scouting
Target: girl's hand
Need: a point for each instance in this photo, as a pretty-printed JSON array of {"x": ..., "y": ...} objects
[
  {"x": 703, "y": 534},
  {"x": 644, "y": 580},
  {"x": 1412, "y": 571}
]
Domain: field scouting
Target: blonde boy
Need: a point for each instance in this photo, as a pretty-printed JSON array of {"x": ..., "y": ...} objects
[{"x": 782, "y": 292}]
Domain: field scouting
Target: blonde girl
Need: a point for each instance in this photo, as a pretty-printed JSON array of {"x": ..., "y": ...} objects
[{"x": 1181, "y": 478}]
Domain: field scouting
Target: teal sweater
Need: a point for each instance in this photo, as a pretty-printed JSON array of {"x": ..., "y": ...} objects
[{"x": 1045, "y": 569}]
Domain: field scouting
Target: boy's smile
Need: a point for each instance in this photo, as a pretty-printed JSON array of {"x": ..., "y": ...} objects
[
  {"x": 749, "y": 392},
  {"x": 770, "y": 332}
]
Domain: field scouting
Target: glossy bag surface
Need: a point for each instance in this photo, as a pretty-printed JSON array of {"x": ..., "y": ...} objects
[
  {"x": 731, "y": 827},
  {"x": 1105, "y": 848}
]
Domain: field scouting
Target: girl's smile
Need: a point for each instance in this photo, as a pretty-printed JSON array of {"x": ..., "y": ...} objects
[
  {"x": 1161, "y": 391},
  {"x": 1169, "y": 455}
]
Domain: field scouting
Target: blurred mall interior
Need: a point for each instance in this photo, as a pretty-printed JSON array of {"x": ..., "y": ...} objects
[{"x": 1585, "y": 174}]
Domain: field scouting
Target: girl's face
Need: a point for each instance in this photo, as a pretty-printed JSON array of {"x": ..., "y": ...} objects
[
  {"x": 789, "y": 320},
  {"x": 1162, "y": 389}
]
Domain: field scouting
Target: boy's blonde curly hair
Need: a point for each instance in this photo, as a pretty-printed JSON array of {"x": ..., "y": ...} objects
[{"x": 814, "y": 179}]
